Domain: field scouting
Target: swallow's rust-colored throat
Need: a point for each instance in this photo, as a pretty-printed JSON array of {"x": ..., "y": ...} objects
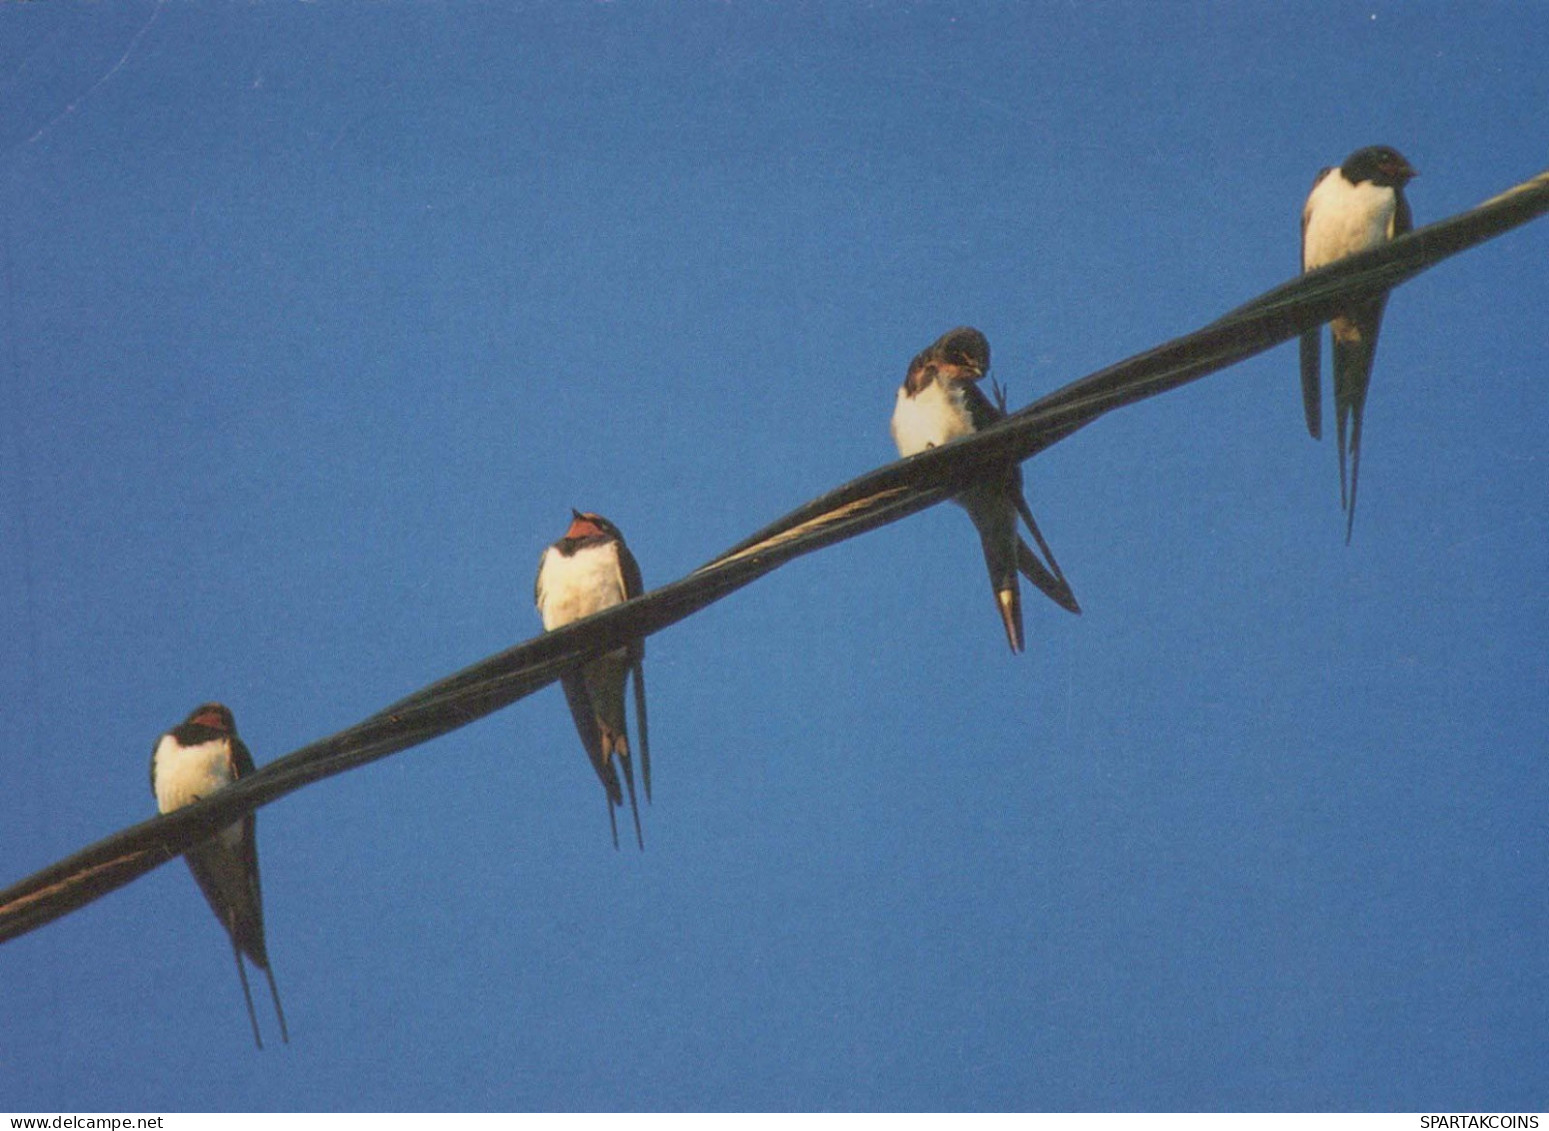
[{"x": 584, "y": 526}]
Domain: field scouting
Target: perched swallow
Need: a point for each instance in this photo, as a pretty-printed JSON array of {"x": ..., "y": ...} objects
[
  {"x": 586, "y": 571},
  {"x": 1355, "y": 207},
  {"x": 941, "y": 401},
  {"x": 191, "y": 761}
]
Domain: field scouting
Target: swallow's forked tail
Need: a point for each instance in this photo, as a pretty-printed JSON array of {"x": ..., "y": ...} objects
[
  {"x": 258, "y": 950},
  {"x": 1355, "y": 469},
  {"x": 613, "y": 822},
  {"x": 247, "y": 994},
  {"x": 279, "y": 1011},
  {"x": 1352, "y": 378},
  {"x": 621, "y": 749}
]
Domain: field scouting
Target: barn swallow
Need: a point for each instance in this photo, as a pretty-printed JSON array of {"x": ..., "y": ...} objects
[
  {"x": 941, "y": 401},
  {"x": 194, "y": 759},
  {"x": 586, "y": 571},
  {"x": 1355, "y": 207}
]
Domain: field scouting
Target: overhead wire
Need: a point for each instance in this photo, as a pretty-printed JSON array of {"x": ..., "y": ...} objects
[{"x": 882, "y": 496}]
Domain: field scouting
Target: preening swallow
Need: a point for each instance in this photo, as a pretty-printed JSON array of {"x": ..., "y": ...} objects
[
  {"x": 194, "y": 759},
  {"x": 940, "y": 401},
  {"x": 586, "y": 571},
  {"x": 1355, "y": 207}
]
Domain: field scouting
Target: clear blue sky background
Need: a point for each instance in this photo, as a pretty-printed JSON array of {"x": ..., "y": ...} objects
[{"x": 320, "y": 317}]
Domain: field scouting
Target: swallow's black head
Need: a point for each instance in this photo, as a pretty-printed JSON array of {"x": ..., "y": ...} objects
[
  {"x": 213, "y": 716},
  {"x": 962, "y": 354},
  {"x": 964, "y": 347},
  {"x": 1380, "y": 165}
]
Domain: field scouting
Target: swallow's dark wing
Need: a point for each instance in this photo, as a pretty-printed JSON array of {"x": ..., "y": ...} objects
[
  {"x": 537, "y": 582},
  {"x": 1312, "y": 361},
  {"x": 981, "y": 410},
  {"x": 1050, "y": 581},
  {"x": 634, "y": 586},
  {"x": 638, "y": 674},
  {"x": 241, "y": 759},
  {"x": 585, "y": 717},
  {"x": 1057, "y": 589},
  {"x": 1403, "y": 219},
  {"x": 253, "y": 934}
]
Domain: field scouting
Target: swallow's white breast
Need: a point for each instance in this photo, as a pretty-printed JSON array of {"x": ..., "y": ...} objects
[
  {"x": 1343, "y": 219},
  {"x": 185, "y": 774},
  {"x": 586, "y": 582},
  {"x": 930, "y": 418}
]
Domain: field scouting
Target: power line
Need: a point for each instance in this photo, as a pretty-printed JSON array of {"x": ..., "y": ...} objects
[{"x": 875, "y": 499}]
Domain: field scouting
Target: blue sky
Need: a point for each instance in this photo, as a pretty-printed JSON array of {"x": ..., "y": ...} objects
[{"x": 320, "y": 318}]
